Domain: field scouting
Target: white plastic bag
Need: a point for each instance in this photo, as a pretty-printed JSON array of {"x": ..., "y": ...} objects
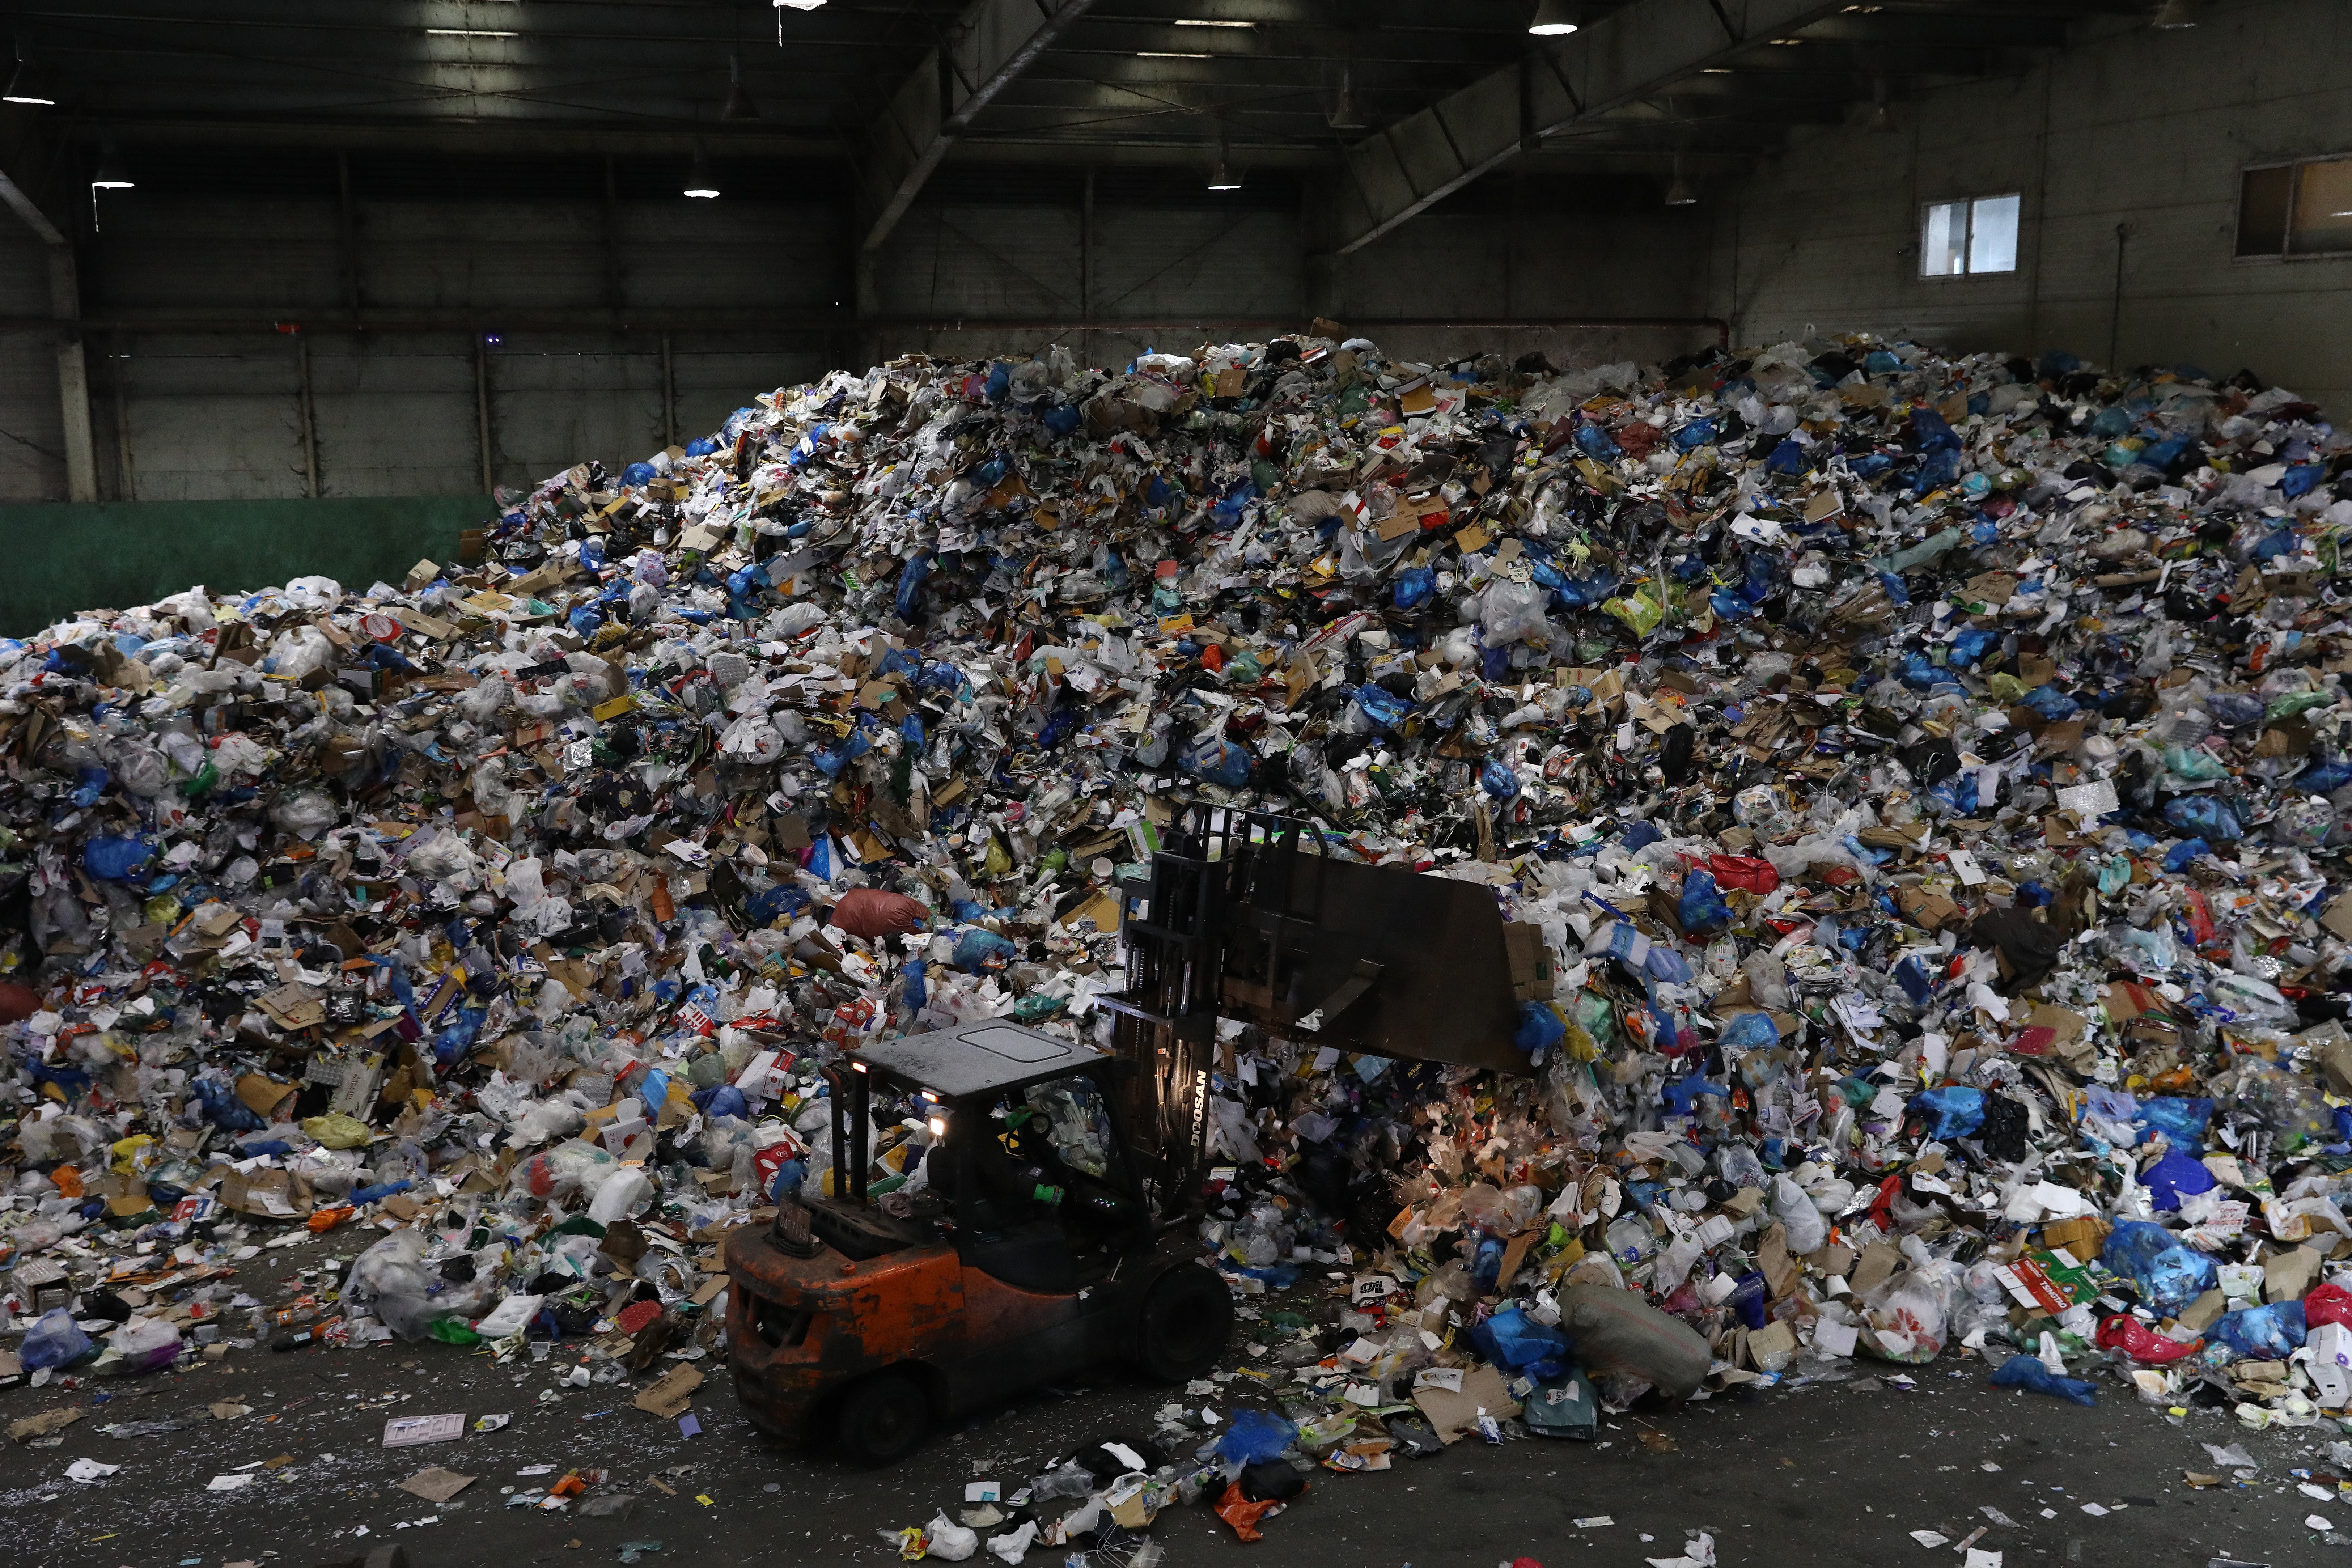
[{"x": 949, "y": 1541}]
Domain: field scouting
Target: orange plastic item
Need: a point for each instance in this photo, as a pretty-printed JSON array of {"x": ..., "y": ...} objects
[
  {"x": 1243, "y": 1514},
  {"x": 68, "y": 1181},
  {"x": 570, "y": 1486},
  {"x": 328, "y": 1219}
]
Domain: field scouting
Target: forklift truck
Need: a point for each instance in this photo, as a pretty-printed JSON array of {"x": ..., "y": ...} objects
[
  {"x": 1028, "y": 1255},
  {"x": 1041, "y": 1240}
]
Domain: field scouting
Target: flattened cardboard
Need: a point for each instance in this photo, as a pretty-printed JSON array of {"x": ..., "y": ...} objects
[
  {"x": 670, "y": 1397},
  {"x": 1455, "y": 1416}
]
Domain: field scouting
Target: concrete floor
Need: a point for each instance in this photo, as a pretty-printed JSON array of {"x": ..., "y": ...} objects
[{"x": 1833, "y": 1472}]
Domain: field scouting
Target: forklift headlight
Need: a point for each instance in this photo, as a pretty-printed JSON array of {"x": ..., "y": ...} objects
[{"x": 939, "y": 1126}]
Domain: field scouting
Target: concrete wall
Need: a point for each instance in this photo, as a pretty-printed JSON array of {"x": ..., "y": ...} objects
[
  {"x": 522, "y": 253},
  {"x": 2134, "y": 127}
]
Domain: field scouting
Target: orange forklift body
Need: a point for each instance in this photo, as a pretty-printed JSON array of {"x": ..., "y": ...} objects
[{"x": 973, "y": 1310}]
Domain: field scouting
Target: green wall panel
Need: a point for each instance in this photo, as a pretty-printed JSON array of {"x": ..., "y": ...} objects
[{"x": 58, "y": 560}]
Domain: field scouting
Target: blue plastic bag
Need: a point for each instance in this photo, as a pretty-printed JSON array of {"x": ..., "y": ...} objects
[
  {"x": 2271, "y": 1332},
  {"x": 117, "y": 859},
  {"x": 1516, "y": 1342},
  {"x": 2027, "y": 1372},
  {"x": 1702, "y": 908},
  {"x": 2174, "y": 1177},
  {"x": 1385, "y": 708},
  {"x": 2182, "y": 1121},
  {"x": 55, "y": 1340},
  {"x": 1539, "y": 1027},
  {"x": 1218, "y": 761},
  {"x": 1253, "y": 1436},
  {"x": 2167, "y": 1274},
  {"x": 1954, "y": 1111},
  {"x": 978, "y": 949},
  {"x": 2204, "y": 816}
]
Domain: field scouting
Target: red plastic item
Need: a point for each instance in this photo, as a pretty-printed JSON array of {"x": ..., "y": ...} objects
[
  {"x": 17, "y": 1003},
  {"x": 2327, "y": 1304},
  {"x": 2142, "y": 1343},
  {"x": 1749, "y": 872},
  {"x": 1243, "y": 1514}
]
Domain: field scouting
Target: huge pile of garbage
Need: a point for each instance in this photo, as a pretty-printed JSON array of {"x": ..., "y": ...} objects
[{"x": 1926, "y": 774}]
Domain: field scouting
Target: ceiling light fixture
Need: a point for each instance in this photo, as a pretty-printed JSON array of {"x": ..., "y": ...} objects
[
  {"x": 1210, "y": 22},
  {"x": 1169, "y": 55},
  {"x": 1680, "y": 191},
  {"x": 111, "y": 174},
  {"x": 2175, "y": 14},
  {"x": 740, "y": 107},
  {"x": 1554, "y": 19},
  {"x": 799, "y": 4},
  {"x": 469, "y": 32},
  {"x": 1221, "y": 176},
  {"x": 698, "y": 182},
  {"x": 1345, "y": 115},
  {"x": 29, "y": 84}
]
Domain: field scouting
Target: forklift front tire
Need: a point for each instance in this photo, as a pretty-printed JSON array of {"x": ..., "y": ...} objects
[
  {"x": 1186, "y": 1320},
  {"x": 883, "y": 1418}
]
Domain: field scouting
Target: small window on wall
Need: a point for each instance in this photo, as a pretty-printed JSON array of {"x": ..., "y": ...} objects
[
  {"x": 1959, "y": 240},
  {"x": 2296, "y": 209}
]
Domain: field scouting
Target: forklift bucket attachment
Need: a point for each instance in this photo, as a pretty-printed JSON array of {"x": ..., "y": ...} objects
[{"x": 1245, "y": 917}]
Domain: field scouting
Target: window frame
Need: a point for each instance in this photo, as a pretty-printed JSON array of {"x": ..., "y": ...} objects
[
  {"x": 1968, "y": 239},
  {"x": 2286, "y": 234}
]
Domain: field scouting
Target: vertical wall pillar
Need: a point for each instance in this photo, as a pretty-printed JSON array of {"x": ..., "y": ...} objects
[
  {"x": 73, "y": 377},
  {"x": 669, "y": 394},
  {"x": 482, "y": 407},
  {"x": 73, "y": 366},
  {"x": 310, "y": 411},
  {"x": 1086, "y": 269}
]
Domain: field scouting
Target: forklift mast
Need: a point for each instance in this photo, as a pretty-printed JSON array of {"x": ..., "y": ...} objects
[{"x": 1247, "y": 916}]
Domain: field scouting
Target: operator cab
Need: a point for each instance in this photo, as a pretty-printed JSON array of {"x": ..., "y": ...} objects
[{"x": 1024, "y": 1171}]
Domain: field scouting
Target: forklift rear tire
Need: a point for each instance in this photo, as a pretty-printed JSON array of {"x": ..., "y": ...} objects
[
  {"x": 883, "y": 1418},
  {"x": 1186, "y": 1320}
]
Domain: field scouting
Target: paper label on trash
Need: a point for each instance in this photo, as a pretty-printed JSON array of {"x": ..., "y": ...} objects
[
  {"x": 1448, "y": 1378},
  {"x": 406, "y": 1431}
]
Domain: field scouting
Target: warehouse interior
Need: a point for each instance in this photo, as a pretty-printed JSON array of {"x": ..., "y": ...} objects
[
  {"x": 432, "y": 248},
  {"x": 1479, "y": 783}
]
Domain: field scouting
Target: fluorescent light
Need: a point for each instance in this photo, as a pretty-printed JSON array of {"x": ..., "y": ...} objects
[
  {"x": 798, "y": 4},
  {"x": 1553, "y": 19},
  {"x": 468, "y": 33},
  {"x": 1223, "y": 179},
  {"x": 111, "y": 176},
  {"x": 698, "y": 182},
  {"x": 1210, "y": 22},
  {"x": 1169, "y": 55},
  {"x": 28, "y": 84}
]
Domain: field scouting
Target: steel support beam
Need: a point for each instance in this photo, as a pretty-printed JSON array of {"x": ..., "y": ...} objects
[
  {"x": 73, "y": 368},
  {"x": 992, "y": 42},
  {"x": 1647, "y": 46}
]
